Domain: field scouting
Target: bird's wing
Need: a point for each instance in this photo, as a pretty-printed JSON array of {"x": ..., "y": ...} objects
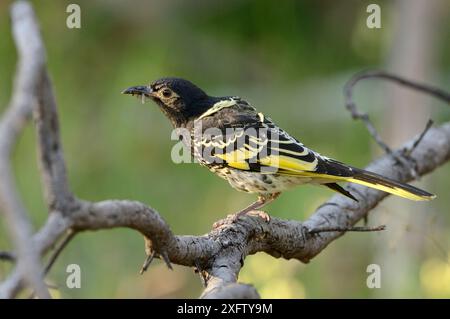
[
  {"x": 234, "y": 134},
  {"x": 249, "y": 141},
  {"x": 265, "y": 148}
]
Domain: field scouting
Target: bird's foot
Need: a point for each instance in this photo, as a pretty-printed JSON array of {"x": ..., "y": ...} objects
[
  {"x": 222, "y": 222},
  {"x": 261, "y": 214},
  {"x": 252, "y": 209},
  {"x": 235, "y": 217}
]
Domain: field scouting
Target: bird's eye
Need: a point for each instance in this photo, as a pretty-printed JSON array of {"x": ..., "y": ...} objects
[{"x": 166, "y": 93}]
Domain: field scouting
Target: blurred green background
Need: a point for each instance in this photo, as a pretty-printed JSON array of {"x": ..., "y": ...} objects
[{"x": 291, "y": 60}]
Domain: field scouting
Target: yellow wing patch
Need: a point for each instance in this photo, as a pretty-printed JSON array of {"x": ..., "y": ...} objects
[
  {"x": 280, "y": 164},
  {"x": 288, "y": 165},
  {"x": 237, "y": 158},
  {"x": 286, "y": 157}
]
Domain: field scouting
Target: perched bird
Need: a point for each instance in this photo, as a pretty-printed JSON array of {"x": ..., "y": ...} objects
[{"x": 245, "y": 147}]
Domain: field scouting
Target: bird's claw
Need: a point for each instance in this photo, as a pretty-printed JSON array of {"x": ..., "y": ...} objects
[
  {"x": 235, "y": 217},
  {"x": 221, "y": 222},
  {"x": 261, "y": 214}
]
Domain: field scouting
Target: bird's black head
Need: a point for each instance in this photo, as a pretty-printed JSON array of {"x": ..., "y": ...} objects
[{"x": 180, "y": 100}]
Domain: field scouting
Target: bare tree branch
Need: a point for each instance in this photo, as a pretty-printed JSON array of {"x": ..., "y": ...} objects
[
  {"x": 55, "y": 226},
  {"x": 218, "y": 255},
  {"x": 357, "y": 115},
  {"x": 31, "y": 63},
  {"x": 230, "y": 291},
  {"x": 51, "y": 158},
  {"x": 71, "y": 234}
]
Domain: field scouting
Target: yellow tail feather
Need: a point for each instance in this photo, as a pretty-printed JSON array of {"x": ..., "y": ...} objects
[
  {"x": 402, "y": 192},
  {"x": 375, "y": 181}
]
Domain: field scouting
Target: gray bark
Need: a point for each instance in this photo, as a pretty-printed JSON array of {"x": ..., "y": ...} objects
[{"x": 219, "y": 254}]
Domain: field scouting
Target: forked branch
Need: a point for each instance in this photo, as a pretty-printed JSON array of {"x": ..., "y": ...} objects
[{"x": 218, "y": 255}]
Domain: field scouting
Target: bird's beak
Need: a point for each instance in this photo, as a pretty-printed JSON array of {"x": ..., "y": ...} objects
[{"x": 139, "y": 90}]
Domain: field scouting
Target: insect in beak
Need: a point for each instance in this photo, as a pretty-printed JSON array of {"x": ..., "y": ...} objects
[{"x": 142, "y": 91}]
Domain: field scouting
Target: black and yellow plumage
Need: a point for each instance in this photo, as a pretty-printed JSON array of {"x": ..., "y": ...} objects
[{"x": 250, "y": 151}]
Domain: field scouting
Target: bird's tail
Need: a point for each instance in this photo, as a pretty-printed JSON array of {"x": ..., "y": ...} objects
[
  {"x": 329, "y": 172},
  {"x": 385, "y": 184}
]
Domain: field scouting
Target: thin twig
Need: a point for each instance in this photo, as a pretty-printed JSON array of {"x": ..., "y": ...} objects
[
  {"x": 70, "y": 235},
  {"x": 351, "y": 107},
  {"x": 166, "y": 259},
  {"x": 147, "y": 262},
  {"x": 348, "y": 89},
  {"x": 419, "y": 138},
  {"x": 31, "y": 62},
  {"x": 220, "y": 253}
]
